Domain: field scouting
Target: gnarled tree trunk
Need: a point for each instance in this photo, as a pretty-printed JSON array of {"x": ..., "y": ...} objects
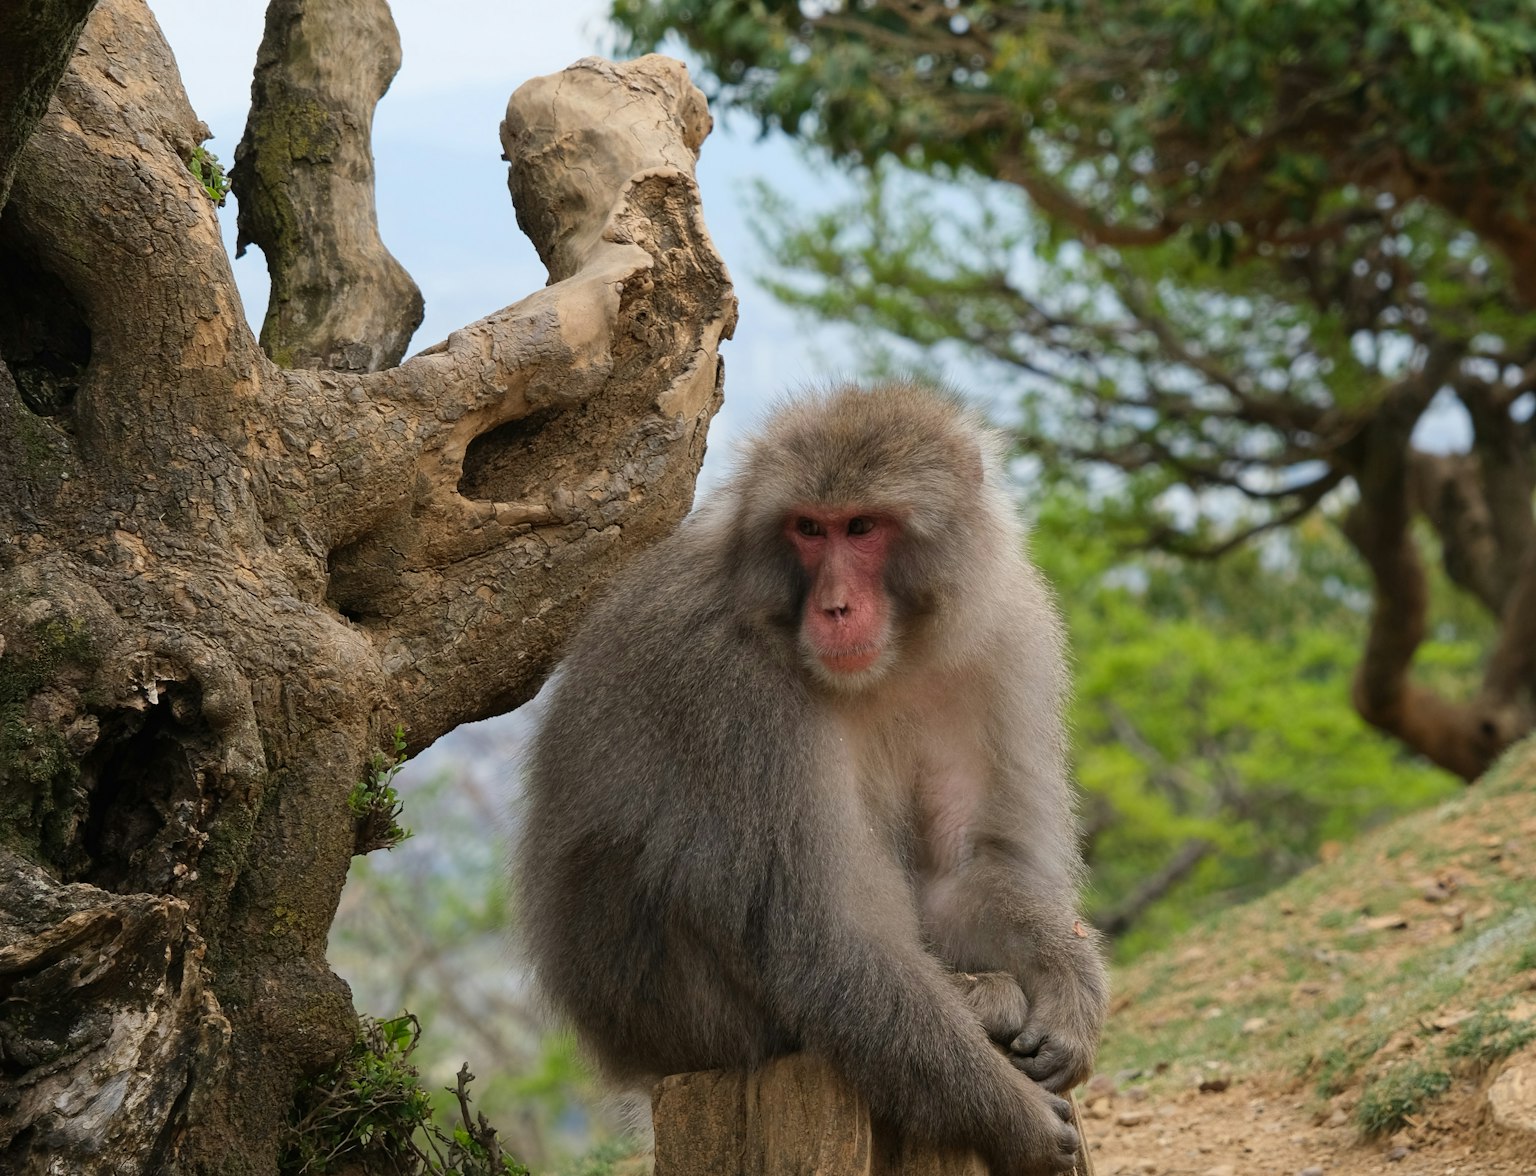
[{"x": 222, "y": 582}]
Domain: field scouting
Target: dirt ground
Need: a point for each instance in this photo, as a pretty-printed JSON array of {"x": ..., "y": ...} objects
[{"x": 1254, "y": 1129}]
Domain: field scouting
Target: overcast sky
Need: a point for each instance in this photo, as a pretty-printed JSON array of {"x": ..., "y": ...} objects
[{"x": 442, "y": 195}]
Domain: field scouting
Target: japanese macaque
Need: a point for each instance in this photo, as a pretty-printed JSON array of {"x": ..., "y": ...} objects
[{"x": 802, "y": 777}]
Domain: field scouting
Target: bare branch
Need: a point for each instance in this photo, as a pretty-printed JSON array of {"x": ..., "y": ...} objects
[
  {"x": 1180, "y": 865},
  {"x": 231, "y": 581},
  {"x": 1308, "y": 497},
  {"x": 1286, "y": 413},
  {"x": 504, "y": 462},
  {"x": 139, "y": 258},
  {"x": 304, "y": 176},
  {"x": 1015, "y": 167}
]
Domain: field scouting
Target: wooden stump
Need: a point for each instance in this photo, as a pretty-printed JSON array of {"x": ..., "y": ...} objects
[{"x": 794, "y": 1116}]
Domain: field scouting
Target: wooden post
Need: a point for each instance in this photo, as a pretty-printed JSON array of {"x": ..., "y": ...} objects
[{"x": 795, "y": 1116}]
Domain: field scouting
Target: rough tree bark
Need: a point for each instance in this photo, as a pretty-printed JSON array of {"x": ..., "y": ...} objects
[
  {"x": 222, "y": 583},
  {"x": 39, "y": 37}
]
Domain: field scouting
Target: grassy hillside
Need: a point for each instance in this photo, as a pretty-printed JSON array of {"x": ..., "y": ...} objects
[{"x": 1367, "y": 991}]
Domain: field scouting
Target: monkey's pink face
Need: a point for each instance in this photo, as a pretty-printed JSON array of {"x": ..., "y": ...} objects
[{"x": 847, "y": 619}]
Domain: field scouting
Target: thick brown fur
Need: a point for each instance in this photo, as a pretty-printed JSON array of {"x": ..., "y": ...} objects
[{"x": 730, "y": 853}]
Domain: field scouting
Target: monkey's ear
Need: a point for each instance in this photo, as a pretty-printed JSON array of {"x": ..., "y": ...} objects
[{"x": 972, "y": 462}]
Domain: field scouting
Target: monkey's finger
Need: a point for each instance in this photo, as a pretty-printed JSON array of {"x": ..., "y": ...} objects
[
  {"x": 1051, "y": 1066},
  {"x": 1029, "y": 1043},
  {"x": 1062, "y": 1108},
  {"x": 1068, "y": 1144},
  {"x": 1041, "y": 1069}
]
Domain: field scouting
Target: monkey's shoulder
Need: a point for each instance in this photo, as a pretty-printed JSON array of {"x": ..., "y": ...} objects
[{"x": 669, "y": 656}]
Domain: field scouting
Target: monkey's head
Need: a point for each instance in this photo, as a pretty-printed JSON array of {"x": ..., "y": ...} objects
[{"x": 858, "y": 513}]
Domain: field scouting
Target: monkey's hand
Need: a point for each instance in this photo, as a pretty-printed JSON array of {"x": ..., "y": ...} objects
[
  {"x": 1066, "y": 1014},
  {"x": 998, "y": 1002},
  {"x": 1045, "y": 1142}
]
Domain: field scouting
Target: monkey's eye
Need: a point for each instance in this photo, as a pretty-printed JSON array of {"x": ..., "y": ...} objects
[
  {"x": 859, "y": 525},
  {"x": 808, "y": 526}
]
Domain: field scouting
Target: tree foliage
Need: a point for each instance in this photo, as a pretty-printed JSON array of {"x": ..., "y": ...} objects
[
  {"x": 1252, "y": 259},
  {"x": 1210, "y": 739},
  {"x": 1131, "y": 120}
]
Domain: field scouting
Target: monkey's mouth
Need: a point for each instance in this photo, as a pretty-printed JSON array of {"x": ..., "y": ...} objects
[{"x": 850, "y": 661}]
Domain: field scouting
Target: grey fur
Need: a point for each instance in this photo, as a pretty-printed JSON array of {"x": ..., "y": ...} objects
[{"x": 727, "y": 856}]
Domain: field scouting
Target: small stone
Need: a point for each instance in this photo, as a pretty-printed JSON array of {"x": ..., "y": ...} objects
[
  {"x": 1100, "y": 1086},
  {"x": 1339, "y": 1118},
  {"x": 1133, "y": 1118},
  {"x": 1450, "y": 1020},
  {"x": 1396, "y": 1154},
  {"x": 1313, "y": 1170},
  {"x": 1220, "y": 1170},
  {"x": 1255, "y": 1024}
]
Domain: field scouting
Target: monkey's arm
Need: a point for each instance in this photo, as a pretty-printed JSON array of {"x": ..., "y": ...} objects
[
  {"x": 812, "y": 918},
  {"x": 1009, "y": 918},
  {"x": 1013, "y": 905}
]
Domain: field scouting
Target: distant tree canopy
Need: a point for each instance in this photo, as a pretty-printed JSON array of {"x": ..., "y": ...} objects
[{"x": 1279, "y": 255}]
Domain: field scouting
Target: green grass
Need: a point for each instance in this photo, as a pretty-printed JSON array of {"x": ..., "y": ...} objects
[
  {"x": 1346, "y": 1006},
  {"x": 1490, "y": 1036}
]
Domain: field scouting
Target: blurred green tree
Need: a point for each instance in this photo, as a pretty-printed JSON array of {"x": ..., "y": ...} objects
[
  {"x": 1210, "y": 739},
  {"x": 1259, "y": 259}
]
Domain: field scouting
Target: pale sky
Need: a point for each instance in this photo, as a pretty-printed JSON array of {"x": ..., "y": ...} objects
[{"x": 442, "y": 196}]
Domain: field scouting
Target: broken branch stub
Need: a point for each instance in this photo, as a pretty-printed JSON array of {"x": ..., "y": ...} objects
[
  {"x": 304, "y": 176},
  {"x": 791, "y": 1115}
]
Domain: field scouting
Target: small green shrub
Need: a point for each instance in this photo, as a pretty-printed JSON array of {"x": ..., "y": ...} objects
[
  {"x": 375, "y": 804},
  {"x": 370, "y": 1112},
  {"x": 209, "y": 173},
  {"x": 1388, "y": 1101}
]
